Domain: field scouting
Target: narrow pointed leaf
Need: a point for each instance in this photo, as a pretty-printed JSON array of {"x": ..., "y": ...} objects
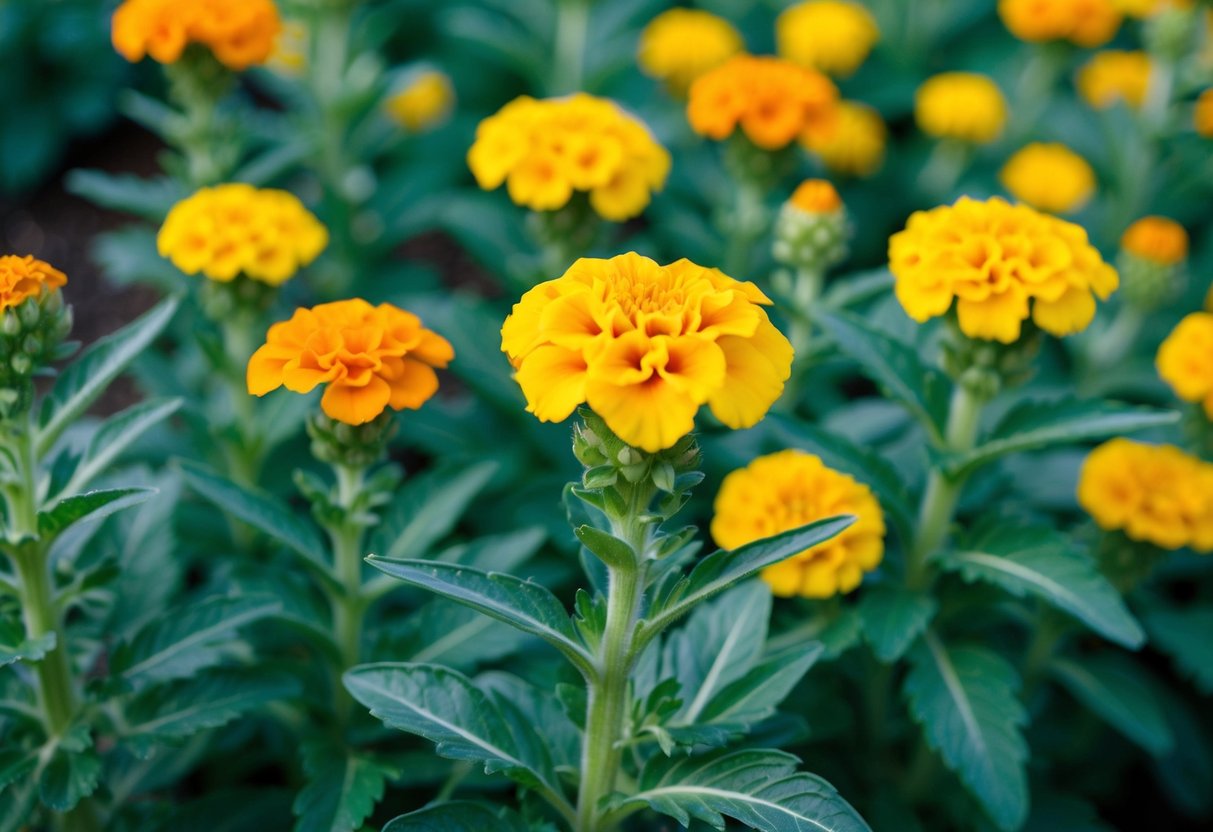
[
  {"x": 94, "y": 504},
  {"x": 426, "y": 509},
  {"x": 117, "y": 434},
  {"x": 757, "y": 694}
]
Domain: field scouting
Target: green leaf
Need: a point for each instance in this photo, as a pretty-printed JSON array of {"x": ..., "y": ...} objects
[
  {"x": 755, "y": 696},
  {"x": 520, "y": 700},
  {"x": 427, "y": 508},
  {"x": 444, "y": 632},
  {"x": 94, "y": 504},
  {"x": 15, "y": 763},
  {"x": 893, "y": 617},
  {"x": 722, "y": 569},
  {"x": 606, "y": 547},
  {"x": 522, "y": 604},
  {"x": 458, "y": 816},
  {"x": 149, "y": 199},
  {"x": 1035, "y": 424},
  {"x": 115, "y": 435},
  {"x": 760, "y": 789},
  {"x": 964, "y": 698},
  {"x": 1184, "y": 635},
  {"x": 14, "y": 646},
  {"x": 1062, "y": 813},
  {"x": 1047, "y": 564},
  {"x": 1119, "y": 693},
  {"x": 68, "y": 778},
  {"x": 85, "y": 378},
  {"x": 341, "y": 792}
]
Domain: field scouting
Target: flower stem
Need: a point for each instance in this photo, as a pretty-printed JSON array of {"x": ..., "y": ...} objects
[
  {"x": 744, "y": 227},
  {"x": 348, "y": 601},
  {"x": 572, "y": 29}
]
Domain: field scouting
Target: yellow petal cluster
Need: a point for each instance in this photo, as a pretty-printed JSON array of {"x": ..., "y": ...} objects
[
  {"x": 370, "y": 358},
  {"x": 239, "y": 33},
  {"x": 1202, "y": 114},
  {"x": 1153, "y": 493},
  {"x": 1185, "y": 360},
  {"x": 1115, "y": 76},
  {"x": 546, "y": 150},
  {"x": 236, "y": 229},
  {"x": 1000, "y": 263},
  {"x": 26, "y": 277},
  {"x": 854, "y": 143},
  {"x": 1049, "y": 176},
  {"x": 773, "y": 101},
  {"x": 1158, "y": 240},
  {"x": 680, "y": 44},
  {"x": 645, "y": 346},
  {"x": 961, "y": 105},
  {"x": 834, "y": 36},
  {"x": 424, "y": 102},
  {"x": 1086, "y": 23},
  {"x": 789, "y": 489}
]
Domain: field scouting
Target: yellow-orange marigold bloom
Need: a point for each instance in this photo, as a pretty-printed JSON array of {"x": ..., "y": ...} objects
[
  {"x": 1114, "y": 76},
  {"x": 1086, "y": 23},
  {"x": 645, "y": 346},
  {"x": 1159, "y": 240},
  {"x": 424, "y": 102},
  {"x": 789, "y": 489},
  {"x": 371, "y": 358},
  {"x": 834, "y": 36},
  {"x": 961, "y": 105},
  {"x": 26, "y": 277},
  {"x": 1153, "y": 493},
  {"x": 680, "y": 44},
  {"x": 854, "y": 144},
  {"x": 1202, "y": 114},
  {"x": 773, "y": 101},
  {"x": 1049, "y": 176},
  {"x": 236, "y": 229},
  {"x": 1148, "y": 8},
  {"x": 1185, "y": 360},
  {"x": 239, "y": 33},
  {"x": 1000, "y": 263},
  {"x": 546, "y": 150}
]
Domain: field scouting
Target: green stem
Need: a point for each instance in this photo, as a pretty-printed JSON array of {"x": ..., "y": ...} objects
[
  {"x": 944, "y": 167},
  {"x": 572, "y": 29},
  {"x": 744, "y": 227},
  {"x": 348, "y": 602}
]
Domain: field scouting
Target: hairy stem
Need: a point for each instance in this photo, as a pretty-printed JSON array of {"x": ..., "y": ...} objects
[{"x": 348, "y": 602}]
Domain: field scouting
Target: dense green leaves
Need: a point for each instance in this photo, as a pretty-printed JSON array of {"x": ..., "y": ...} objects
[
  {"x": 427, "y": 508},
  {"x": 1116, "y": 690},
  {"x": 115, "y": 435},
  {"x": 893, "y": 617},
  {"x": 458, "y": 816},
  {"x": 341, "y": 792},
  {"x": 755, "y": 696}
]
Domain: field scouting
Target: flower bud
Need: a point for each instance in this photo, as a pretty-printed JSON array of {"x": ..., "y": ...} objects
[
  {"x": 353, "y": 446},
  {"x": 812, "y": 228},
  {"x": 1152, "y": 262}
]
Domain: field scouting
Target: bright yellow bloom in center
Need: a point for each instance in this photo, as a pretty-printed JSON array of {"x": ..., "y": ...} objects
[
  {"x": 680, "y": 44},
  {"x": 854, "y": 144},
  {"x": 645, "y": 346},
  {"x": 1050, "y": 177},
  {"x": 1115, "y": 76},
  {"x": 424, "y": 102},
  {"x": 1158, "y": 240},
  {"x": 789, "y": 489},
  {"x": 25, "y": 277},
  {"x": 833, "y": 36},
  {"x": 371, "y": 357},
  {"x": 999, "y": 263},
  {"x": 961, "y": 105},
  {"x": 1185, "y": 360},
  {"x": 240, "y": 33}
]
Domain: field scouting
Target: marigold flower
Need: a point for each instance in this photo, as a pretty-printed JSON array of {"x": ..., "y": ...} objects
[
  {"x": 1049, "y": 176},
  {"x": 26, "y": 277},
  {"x": 1185, "y": 360},
  {"x": 1157, "y": 239},
  {"x": 1153, "y": 493},
  {"x": 772, "y": 100},
  {"x": 424, "y": 102},
  {"x": 789, "y": 489},
  {"x": 679, "y": 45},
  {"x": 854, "y": 143},
  {"x": 1115, "y": 76},
  {"x": 1000, "y": 263},
  {"x": 236, "y": 229},
  {"x": 371, "y": 358},
  {"x": 961, "y": 105},
  {"x": 239, "y": 33},
  {"x": 645, "y": 345},
  {"x": 833, "y": 36},
  {"x": 1202, "y": 114},
  {"x": 1149, "y": 8},
  {"x": 547, "y": 150},
  {"x": 812, "y": 228},
  {"x": 1086, "y": 23}
]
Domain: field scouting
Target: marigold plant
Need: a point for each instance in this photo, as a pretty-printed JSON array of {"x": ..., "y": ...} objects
[
  {"x": 1115, "y": 76},
  {"x": 1086, "y": 23},
  {"x": 239, "y": 33},
  {"x": 679, "y": 45},
  {"x": 1049, "y": 176},
  {"x": 854, "y": 143},
  {"x": 834, "y": 36},
  {"x": 26, "y": 277},
  {"x": 961, "y": 105},
  {"x": 1185, "y": 360},
  {"x": 424, "y": 102}
]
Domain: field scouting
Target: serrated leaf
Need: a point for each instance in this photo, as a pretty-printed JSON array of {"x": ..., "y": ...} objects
[
  {"x": 427, "y": 508},
  {"x": 893, "y": 617},
  {"x": 537, "y": 707},
  {"x": 755, "y": 696},
  {"x": 92, "y": 504},
  {"x": 964, "y": 698},
  {"x": 115, "y": 435},
  {"x": 1184, "y": 635},
  {"x": 341, "y": 792},
  {"x": 1116, "y": 691},
  {"x": 15, "y": 763},
  {"x": 68, "y": 778},
  {"x": 458, "y": 816}
]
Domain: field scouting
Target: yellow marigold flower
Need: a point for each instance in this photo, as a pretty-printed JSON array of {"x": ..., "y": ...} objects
[
  {"x": 854, "y": 143},
  {"x": 25, "y": 277},
  {"x": 1149, "y": 8},
  {"x": 1202, "y": 116},
  {"x": 546, "y": 150},
  {"x": 1088, "y": 23},
  {"x": 371, "y": 357},
  {"x": 239, "y": 33},
  {"x": 833, "y": 36},
  {"x": 1156, "y": 239},
  {"x": 772, "y": 100},
  {"x": 425, "y": 102},
  {"x": 1050, "y": 177},
  {"x": 1115, "y": 76},
  {"x": 789, "y": 489},
  {"x": 679, "y": 45},
  {"x": 236, "y": 229},
  {"x": 645, "y": 345},
  {"x": 1185, "y": 360},
  {"x": 1000, "y": 263},
  {"x": 1153, "y": 493},
  {"x": 961, "y": 105}
]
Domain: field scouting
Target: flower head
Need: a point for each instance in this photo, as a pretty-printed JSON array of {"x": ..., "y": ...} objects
[
  {"x": 1086, "y": 23},
  {"x": 773, "y": 101},
  {"x": 1000, "y": 263},
  {"x": 812, "y": 228},
  {"x": 961, "y": 105},
  {"x": 1115, "y": 76},
  {"x": 371, "y": 358},
  {"x": 239, "y": 33},
  {"x": 1050, "y": 177},
  {"x": 1185, "y": 360},
  {"x": 854, "y": 143},
  {"x": 645, "y": 346},
  {"x": 424, "y": 102},
  {"x": 545, "y": 151},
  {"x": 1202, "y": 114},
  {"x": 834, "y": 36},
  {"x": 1154, "y": 493},
  {"x": 1159, "y": 240},
  {"x": 680, "y": 44},
  {"x": 25, "y": 277},
  {"x": 789, "y": 489}
]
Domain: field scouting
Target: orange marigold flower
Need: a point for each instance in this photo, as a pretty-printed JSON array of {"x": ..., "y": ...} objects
[
  {"x": 239, "y": 33},
  {"x": 1000, "y": 263},
  {"x": 789, "y": 489},
  {"x": 854, "y": 144},
  {"x": 1115, "y": 76},
  {"x": 645, "y": 346},
  {"x": 680, "y": 44},
  {"x": 816, "y": 196},
  {"x": 1202, "y": 114},
  {"x": 1159, "y": 240},
  {"x": 1185, "y": 360},
  {"x": 961, "y": 105},
  {"x": 1088, "y": 23},
  {"x": 25, "y": 277},
  {"x": 773, "y": 101},
  {"x": 371, "y": 358}
]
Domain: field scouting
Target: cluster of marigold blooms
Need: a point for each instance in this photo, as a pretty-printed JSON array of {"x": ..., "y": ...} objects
[{"x": 239, "y": 33}]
